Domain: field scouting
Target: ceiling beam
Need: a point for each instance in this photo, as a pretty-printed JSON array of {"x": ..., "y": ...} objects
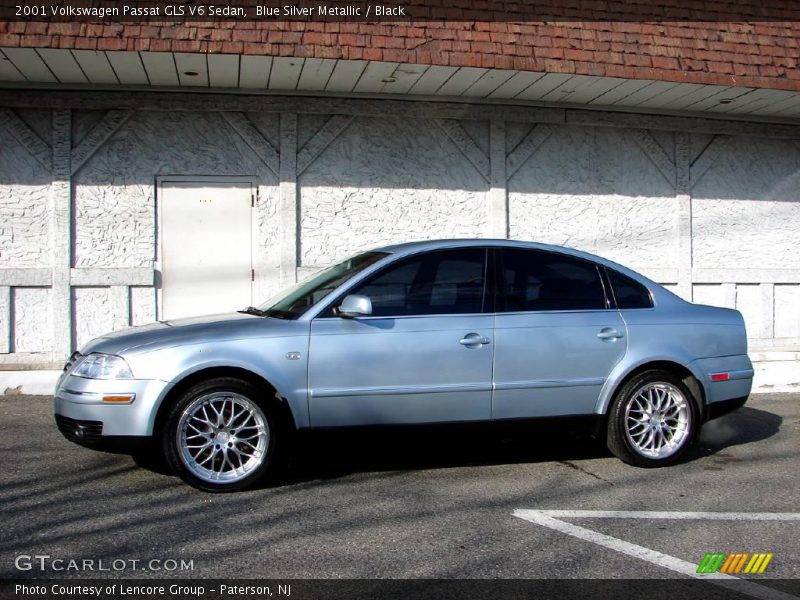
[
  {"x": 321, "y": 140},
  {"x": 461, "y": 139},
  {"x": 529, "y": 145},
  {"x": 253, "y": 138},
  {"x": 111, "y": 122},
  {"x": 391, "y": 108},
  {"x": 28, "y": 138},
  {"x": 676, "y": 123}
]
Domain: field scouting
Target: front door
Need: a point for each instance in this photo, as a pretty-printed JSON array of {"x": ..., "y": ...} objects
[
  {"x": 556, "y": 338},
  {"x": 424, "y": 356},
  {"x": 206, "y": 247}
]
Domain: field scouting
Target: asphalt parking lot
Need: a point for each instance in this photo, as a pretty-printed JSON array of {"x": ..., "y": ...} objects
[{"x": 407, "y": 505}]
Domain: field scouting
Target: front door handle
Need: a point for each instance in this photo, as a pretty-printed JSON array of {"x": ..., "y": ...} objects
[
  {"x": 609, "y": 333},
  {"x": 472, "y": 340}
]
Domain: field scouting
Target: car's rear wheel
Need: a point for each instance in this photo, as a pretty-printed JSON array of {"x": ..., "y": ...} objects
[
  {"x": 220, "y": 435},
  {"x": 653, "y": 420}
]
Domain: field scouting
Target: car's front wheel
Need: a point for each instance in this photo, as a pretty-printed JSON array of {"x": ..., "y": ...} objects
[
  {"x": 220, "y": 435},
  {"x": 653, "y": 420}
]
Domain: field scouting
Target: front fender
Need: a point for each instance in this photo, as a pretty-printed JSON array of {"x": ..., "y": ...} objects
[{"x": 282, "y": 361}]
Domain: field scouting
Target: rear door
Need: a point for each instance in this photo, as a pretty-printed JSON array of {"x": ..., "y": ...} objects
[{"x": 557, "y": 337}]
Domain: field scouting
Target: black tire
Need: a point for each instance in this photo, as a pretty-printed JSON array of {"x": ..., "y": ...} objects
[
  {"x": 628, "y": 439},
  {"x": 220, "y": 444}
]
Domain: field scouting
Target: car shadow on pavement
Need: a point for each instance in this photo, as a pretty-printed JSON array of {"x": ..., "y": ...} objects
[
  {"x": 337, "y": 453},
  {"x": 334, "y": 453},
  {"x": 743, "y": 426}
]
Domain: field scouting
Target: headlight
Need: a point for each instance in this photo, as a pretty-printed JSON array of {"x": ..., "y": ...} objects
[{"x": 102, "y": 366}]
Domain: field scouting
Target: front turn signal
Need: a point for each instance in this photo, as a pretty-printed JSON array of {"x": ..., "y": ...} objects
[{"x": 119, "y": 398}]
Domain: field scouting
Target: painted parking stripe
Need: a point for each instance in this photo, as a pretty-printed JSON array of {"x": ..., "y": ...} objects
[
  {"x": 548, "y": 518},
  {"x": 644, "y": 514}
]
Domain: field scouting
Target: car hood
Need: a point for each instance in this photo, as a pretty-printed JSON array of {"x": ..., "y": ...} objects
[{"x": 192, "y": 330}]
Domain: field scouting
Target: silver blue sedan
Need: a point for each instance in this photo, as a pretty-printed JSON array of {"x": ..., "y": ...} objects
[{"x": 427, "y": 332}]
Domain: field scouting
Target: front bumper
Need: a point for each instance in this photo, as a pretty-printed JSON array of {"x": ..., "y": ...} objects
[{"x": 79, "y": 405}]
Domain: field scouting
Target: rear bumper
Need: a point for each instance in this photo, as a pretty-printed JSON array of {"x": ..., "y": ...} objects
[{"x": 724, "y": 377}]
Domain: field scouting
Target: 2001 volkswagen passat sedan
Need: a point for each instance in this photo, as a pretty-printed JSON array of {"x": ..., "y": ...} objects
[{"x": 426, "y": 332}]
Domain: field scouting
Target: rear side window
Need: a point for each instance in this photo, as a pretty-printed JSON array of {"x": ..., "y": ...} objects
[
  {"x": 533, "y": 280},
  {"x": 629, "y": 293},
  {"x": 433, "y": 283}
]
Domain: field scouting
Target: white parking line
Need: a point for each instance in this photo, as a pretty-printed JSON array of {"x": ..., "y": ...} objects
[
  {"x": 548, "y": 518},
  {"x": 644, "y": 514}
]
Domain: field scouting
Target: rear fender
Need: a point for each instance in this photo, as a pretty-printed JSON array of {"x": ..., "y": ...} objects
[{"x": 625, "y": 368}]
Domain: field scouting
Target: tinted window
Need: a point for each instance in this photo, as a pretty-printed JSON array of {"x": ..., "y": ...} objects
[
  {"x": 444, "y": 282},
  {"x": 629, "y": 293},
  {"x": 292, "y": 304},
  {"x": 537, "y": 280}
]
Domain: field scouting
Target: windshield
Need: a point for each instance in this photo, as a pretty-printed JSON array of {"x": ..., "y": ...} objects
[{"x": 292, "y": 304}]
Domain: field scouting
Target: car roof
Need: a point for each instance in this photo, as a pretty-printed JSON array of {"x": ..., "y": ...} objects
[
  {"x": 466, "y": 242},
  {"x": 420, "y": 246},
  {"x": 411, "y": 247}
]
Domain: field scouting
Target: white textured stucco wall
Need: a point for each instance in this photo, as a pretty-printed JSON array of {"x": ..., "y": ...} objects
[
  {"x": 115, "y": 202},
  {"x": 32, "y": 320},
  {"x": 143, "y": 305},
  {"x": 387, "y": 180},
  {"x": 594, "y": 189},
  {"x": 26, "y": 323},
  {"x": 24, "y": 214},
  {"x": 746, "y": 208},
  {"x": 93, "y": 313},
  {"x": 383, "y": 182},
  {"x": 115, "y": 191},
  {"x": 787, "y": 311}
]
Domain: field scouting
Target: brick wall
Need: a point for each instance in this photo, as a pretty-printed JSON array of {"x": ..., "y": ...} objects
[{"x": 763, "y": 54}]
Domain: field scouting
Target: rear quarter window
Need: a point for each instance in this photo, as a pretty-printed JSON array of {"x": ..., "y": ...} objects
[{"x": 629, "y": 293}]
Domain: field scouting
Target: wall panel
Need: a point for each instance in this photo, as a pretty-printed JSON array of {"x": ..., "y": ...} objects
[
  {"x": 595, "y": 190},
  {"x": 383, "y": 182}
]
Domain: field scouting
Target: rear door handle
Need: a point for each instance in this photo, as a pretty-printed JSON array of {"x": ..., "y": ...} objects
[
  {"x": 609, "y": 333},
  {"x": 474, "y": 339}
]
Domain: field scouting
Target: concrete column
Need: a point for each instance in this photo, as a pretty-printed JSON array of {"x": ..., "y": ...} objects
[
  {"x": 121, "y": 306},
  {"x": 61, "y": 234},
  {"x": 498, "y": 185},
  {"x": 683, "y": 195},
  {"x": 5, "y": 319},
  {"x": 768, "y": 310},
  {"x": 729, "y": 294},
  {"x": 288, "y": 209}
]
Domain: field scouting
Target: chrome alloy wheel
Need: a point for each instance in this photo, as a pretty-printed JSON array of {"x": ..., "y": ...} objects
[
  {"x": 222, "y": 437},
  {"x": 657, "y": 420}
]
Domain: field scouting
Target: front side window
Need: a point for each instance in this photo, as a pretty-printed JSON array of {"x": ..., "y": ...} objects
[
  {"x": 295, "y": 302},
  {"x": 534, "y": 280},
  {"x": 433, "y": 283}
]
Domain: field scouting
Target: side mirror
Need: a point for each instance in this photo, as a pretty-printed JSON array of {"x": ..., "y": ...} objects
[{"x": 354, "y": 305}]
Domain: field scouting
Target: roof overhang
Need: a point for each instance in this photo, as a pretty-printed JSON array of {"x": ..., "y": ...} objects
[{"x": 71, "y": 69}]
